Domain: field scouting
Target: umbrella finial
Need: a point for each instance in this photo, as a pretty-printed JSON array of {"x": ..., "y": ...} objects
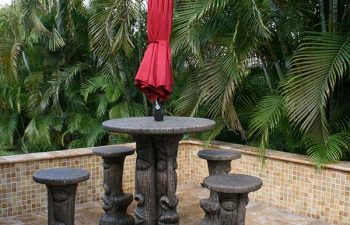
[{"x": 158, "y": 111}]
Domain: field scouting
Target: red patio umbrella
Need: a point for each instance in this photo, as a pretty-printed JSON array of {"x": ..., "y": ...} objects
[{"x": 154, "y": 77}]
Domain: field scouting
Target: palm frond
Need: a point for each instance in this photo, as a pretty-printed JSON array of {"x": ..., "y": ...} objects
[
  {"x": 266, "y": 117},
  {"x": 120, "y": 110},
  {"x": 55, "y": 40},
  {"x": 329, "y": 150},
  {"x": 38, "y": 131},
  {"x": 29, "y": 9},
  {"x": 10, "y": 50},
  {"x": 190, "y": 99},
  {"x": 322, "y": 60},
  {"x": 8, "y": 127},
  {"x": 110, "y": 27}
]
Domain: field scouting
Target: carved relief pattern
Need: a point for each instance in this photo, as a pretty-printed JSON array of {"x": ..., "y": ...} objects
[
  {"x": 145, "y": 182},
  {"x": 213, "y": 217},
  {"x": 219, "y": 167},
  {"x": 156, "y": 164},
  {"x": 211, "y": 209},
  {"x": 61, "y": 204},
  {"x": 115, "y": 201}
]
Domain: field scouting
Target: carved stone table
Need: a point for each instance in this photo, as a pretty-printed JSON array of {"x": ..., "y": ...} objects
[
  {"x": 61, "y": 186},
  {"x": 115, "y": 201},
  {"x": 156, "y": 148},
  {"x": 219, "y": 162},
  {"x": 233, "y": 192}
]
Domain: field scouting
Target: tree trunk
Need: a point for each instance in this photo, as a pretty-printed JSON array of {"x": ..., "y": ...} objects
[
  {"x": 282, "y": 43},
  {"x": 25, "y": 60},
  {"x": 330, "y": 16},
  {"x": 267, "y": 75},
  {"x": 275, "y": 62},
  {"x": 124, "y": 78},
  {"x": 335, "y": 15},
  {"x": 323, "y": 18}
]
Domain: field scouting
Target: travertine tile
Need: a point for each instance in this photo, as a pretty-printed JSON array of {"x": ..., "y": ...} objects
[{"x": 189, "y": 211}]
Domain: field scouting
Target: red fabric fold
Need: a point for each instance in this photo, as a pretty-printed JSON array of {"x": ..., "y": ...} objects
[{"x": 154, "y": 77}]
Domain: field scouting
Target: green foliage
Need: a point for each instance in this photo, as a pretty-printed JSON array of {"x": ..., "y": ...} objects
[
  {"x": 328, "y": 150},
  {"x": 322, "y": 60},
  {"x": 267, "y": 116},
  {"x": 234, "y": 49},
  {"x": 55, "y": 90},
  {"x": 270, "y": 73}
]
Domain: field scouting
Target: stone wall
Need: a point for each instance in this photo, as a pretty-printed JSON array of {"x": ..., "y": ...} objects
[{"x": 290, "y": 181}]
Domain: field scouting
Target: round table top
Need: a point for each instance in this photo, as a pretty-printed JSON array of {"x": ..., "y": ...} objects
[
  {"x": 113, "y": 151},
  {"x": 219, "y": 154},
  {"x": 147, "y": 125},
  {"x": 61, "y": 176},
  {"x": 233, "y": 183}
]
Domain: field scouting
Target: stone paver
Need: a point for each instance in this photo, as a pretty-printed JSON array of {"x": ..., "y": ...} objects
[{"x": 189, "y": 211}]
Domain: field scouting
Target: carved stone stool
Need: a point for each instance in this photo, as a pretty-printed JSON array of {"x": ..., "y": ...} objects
[
  {"x": 115, "y": 201},
  {"x": 219, "y": 160},
  {"x": 61, "y": 186},
  {"x": 233, "y": 192}
]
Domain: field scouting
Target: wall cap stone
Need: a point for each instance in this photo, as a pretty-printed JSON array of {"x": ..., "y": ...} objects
[
  {"x": 51, "y": 155},
  {"x": 244, "y": 149}
]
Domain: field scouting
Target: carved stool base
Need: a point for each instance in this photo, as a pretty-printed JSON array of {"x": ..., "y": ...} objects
[
  {"x": 232, "y": 191},
  {"x": 61, "y": 186},
  {"x": 115, "y": 201}
]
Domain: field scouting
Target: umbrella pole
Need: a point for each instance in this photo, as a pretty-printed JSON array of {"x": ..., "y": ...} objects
[{"x": 158, "y": 113}]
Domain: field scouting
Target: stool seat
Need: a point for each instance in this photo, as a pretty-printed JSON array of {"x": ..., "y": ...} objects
[
  {"x": 219, "y": 154},
  {"x": 113, "y": 151},
  {"x": 61, "y": 176},
  {"x": 233, "y": 183}
]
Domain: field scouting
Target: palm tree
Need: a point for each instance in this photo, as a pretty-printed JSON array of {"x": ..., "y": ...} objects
[
  {"x": 219, "y": 39},
  {"x": 41, "y": 70},
  {"x": 228, "y": 43},
  {"x": 313, "y": 95},
  {"x": 113, "y": 26}
]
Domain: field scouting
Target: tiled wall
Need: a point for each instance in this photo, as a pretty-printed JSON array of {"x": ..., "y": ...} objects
[{"x": 290, "y": 181}]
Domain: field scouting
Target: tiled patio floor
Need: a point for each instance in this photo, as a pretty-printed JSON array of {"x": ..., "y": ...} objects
[{"x": 189, "y": 211}]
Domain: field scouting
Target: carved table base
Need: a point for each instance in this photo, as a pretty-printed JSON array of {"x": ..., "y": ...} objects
[{"x": 156, "y": 179}]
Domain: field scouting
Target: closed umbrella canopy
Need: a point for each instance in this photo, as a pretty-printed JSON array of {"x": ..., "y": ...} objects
[{"x": 154, "y": 77}]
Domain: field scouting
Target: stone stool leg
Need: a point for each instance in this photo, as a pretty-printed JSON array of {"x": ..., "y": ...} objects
[
  {"x": 219, "y": 162},
  {"x": 219, "y": 167},
  {"x": 212, "y": 210},
  {"x": 115, "y": 201},
  {"x": 61, "y": 204},
  {"x": 61, "y": 186},
  {"x": 232, "y": 190},
  {"x": 233, "y": 208}
]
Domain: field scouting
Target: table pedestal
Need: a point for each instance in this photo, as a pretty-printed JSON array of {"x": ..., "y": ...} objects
[{"x": 156, "y": 179}]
